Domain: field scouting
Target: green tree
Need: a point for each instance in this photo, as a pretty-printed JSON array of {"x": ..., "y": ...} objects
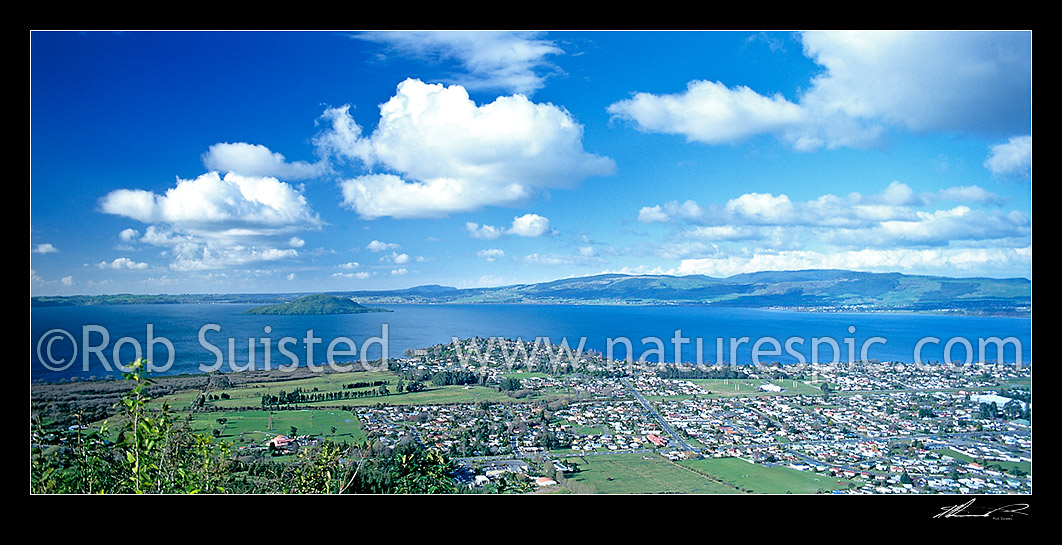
[
  {"x": 423, "y": 472},
  {"x": 150, "y": 453},
  {"x": 512, "y": 483},
  {"x": 317, "y": 470}
]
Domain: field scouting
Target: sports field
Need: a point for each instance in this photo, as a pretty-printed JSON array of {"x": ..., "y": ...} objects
[{"x": 259, "y": 426}]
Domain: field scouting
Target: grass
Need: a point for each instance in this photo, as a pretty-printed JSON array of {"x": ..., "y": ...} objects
[
  {"x": 522, "y": 374},
  {"x": 762, "y": 479},
  {"x": 732, "y": 387},
  {"x": 258, "y": 426},
  {"x": 588, "y": 430},
  {"x": 250, "y": 395},
  {"x": 1008, "y": 467},
  {"x": 641, "y": 473},
  {"x": 436, "y": 395}
]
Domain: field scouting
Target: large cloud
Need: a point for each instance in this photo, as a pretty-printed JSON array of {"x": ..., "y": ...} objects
[
  {"x": 870, "y": 81},
  {"x": 436, "y": 152},
  {"x": 212, "y": 200},
  {"x": 215, "y": 222},
  {"x": 710, "y": 112},
  {"x": 939, "y": 81}
]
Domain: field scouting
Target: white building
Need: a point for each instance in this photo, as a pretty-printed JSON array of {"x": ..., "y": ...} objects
[{"x": 999, "y": 400}]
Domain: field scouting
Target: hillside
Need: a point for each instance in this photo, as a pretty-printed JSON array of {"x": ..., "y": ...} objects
[
  {"x": 812, "y": 290},
  {"x": 824, "y": 290},
  {"x": 314, "y": 304}
]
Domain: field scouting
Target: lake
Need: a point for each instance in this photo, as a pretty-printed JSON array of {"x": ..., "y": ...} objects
[{"x": 92, "y": 341}]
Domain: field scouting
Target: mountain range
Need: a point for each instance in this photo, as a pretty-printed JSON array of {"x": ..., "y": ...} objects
[
  {"x": 810, "y": 290},
  {"x": 825, "y": 290}
]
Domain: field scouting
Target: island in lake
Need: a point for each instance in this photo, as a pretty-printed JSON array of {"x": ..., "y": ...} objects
[{"x": 314, "y": 304}]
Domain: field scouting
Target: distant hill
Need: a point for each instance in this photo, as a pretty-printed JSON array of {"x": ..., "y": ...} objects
[
  {"x": 811, "y": 290},
  {"x": 314, "y": 304},
  {"x": 820, "y": 290}
]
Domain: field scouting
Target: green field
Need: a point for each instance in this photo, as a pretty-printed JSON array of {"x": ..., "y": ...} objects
[
  {"x": 760, "y": 479},
  {"x": 250, "y": 395},
  {"x": 258, "y": 426},
  {"x": 588, "y": 430},
  {"x": 1008, "y": 467},
  {"x": 641, "y": 473},
  {"x": 730, "y": 387},
  {"x": 437, "y": 395},
  {"x": 523, "y": 374}
]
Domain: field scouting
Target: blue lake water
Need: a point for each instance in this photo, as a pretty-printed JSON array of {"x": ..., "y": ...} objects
[{"x": 92, "y": 341}]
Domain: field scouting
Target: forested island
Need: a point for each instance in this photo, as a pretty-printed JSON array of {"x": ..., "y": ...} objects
[{"x": 314, "y": 304}]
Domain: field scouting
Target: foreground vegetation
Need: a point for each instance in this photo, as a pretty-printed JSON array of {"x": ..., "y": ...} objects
[
  {"x": 148, "y": 450},
  {"x": 411, "y": 427}
]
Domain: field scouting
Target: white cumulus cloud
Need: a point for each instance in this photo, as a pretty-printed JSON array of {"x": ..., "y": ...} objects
[
  {"x": 256, "y": 160},
  {"x": 869, "y": 82},
  {"x": 396, "y": 258},
  {"x": 211, "y": 200},
  {"x": 710, "y": 112},
  {"x": 215, "y": 222},
  {"x": 437, "y": 153},
  {"x": 530, "y": 225},
  {"x": 1011, "y": 158},
  {"x": 122, "y": 263},
  {"x": 486, "y": 232},
  {"x": 491, "y": 255},
  {"x": 379, "y": 246},
  {"x": 527, "y": 225}
]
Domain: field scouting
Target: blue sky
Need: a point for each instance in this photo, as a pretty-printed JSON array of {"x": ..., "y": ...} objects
[{"x": 212, "y": 162}]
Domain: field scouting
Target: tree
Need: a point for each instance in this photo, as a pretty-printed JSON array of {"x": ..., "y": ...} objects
[
  {"x": 1013, "y": 409},
  {"x": 423, "y": 471},
  {"x": 510, "y": 384},
  {"x": 512, "y": 483},
  {"x": 317, "y": 471},
  {"x": 149, "y": 453}
]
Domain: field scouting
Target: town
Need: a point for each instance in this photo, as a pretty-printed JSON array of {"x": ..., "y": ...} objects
[
  {"x": 868, "y": 428},
  {"x": 552, "y": 420}
]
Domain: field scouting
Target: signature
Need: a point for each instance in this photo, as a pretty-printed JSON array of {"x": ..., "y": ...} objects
[{"x": 962, "y": 510}]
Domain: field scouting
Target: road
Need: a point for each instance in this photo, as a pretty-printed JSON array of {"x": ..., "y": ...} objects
[{"x": 660, "y": 419}]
